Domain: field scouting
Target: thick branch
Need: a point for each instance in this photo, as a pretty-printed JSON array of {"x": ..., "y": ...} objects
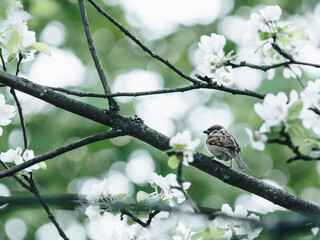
[
  {"x": 112, "y": 103},
  {"x": 160, "y": 141}
]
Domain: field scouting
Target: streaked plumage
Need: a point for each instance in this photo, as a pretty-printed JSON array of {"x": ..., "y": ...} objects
[{"x": 223, "y": 146}]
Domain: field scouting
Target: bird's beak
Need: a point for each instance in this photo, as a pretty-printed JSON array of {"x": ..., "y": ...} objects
[{"x": 206, "y": 131}]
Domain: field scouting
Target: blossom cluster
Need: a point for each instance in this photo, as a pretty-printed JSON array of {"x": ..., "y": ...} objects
[
  {"x": 14, "y": 156},
  {"x": 278, "y": 110},
  {"x": 182, "y": 143},
  {"x": 214, "y": 59},
  {"x": 239, "y": 223},
  {"x": 275, "y": 110},
  {"x": 266, "y": 29},
  {"x": 165, "y": 188},
  {"x": 177, "y": 225},
  {"x": 311, "y": 99},
  {"x": 15, "y": 38}
]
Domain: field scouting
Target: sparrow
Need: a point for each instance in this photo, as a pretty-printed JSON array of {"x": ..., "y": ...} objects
[{"x": 222, "y": 145}]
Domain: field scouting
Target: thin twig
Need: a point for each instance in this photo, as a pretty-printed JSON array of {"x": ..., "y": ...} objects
[
  {"x": 61, "y": 150},
  {"x": 2, "y": 61},
  {"x": 180, "y": 187},
  {"x": 282, "y": 52},
  {"x": 140, "y": 44},
  {"x": 18, "y": 64},
  {"x": 132, "y": 216},
  {"x": 151, "y": 216},
  {"x": 259, "y": 67},
  {"x": 35, "y": 191},
  {"x": 268, "y": 67},
  {"x": 16, "y": 177},
  {"x": 315, "y": 110},
  {"x": 112, "y": 103},
  {"x": 233, "y": 91},
  {"x": 298, "y": 78},
  {"x": 127, "y": 94},
  {"x": 22, "y": 122},
  {"x": 13, "y": 93},
  {"x": 285, "y": 139}
]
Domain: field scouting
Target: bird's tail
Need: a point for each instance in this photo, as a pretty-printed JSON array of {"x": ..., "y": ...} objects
[{"x": 240, "y": 162}]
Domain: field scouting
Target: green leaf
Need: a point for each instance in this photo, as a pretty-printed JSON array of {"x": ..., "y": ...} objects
[
  {"x": 264, "y": 36},
  {"x": 315, "y": 154},
  {"x": 299, "y": 34},
  {"x": 297, "y": 130},
  {"x": 42, "y": 165},
  {"x": 41, "y": 47},
  {"x": 11, "y": 57},
  {"x": 14, "y": 40},
  {"x": 312, "y": 141},
  {"x": 284, "y": 40},
  {"x": 179, "y": 146},
  {"x": 295, "y": 110},
  {"x": 173, "y": 162},
  {"x": 287, "y": 27},
  {"x": 141, "y": 196},
  {"x": 120, "y": 196}
]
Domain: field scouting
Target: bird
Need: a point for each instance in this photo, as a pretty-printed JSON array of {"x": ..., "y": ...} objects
[{"x": 223, "y": 146}]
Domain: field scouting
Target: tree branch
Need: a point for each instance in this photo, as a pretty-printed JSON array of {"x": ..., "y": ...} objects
[
  {"x": 2, "y": 61},
  {"x": 180, "y": 182},
  {"x": 132, "y": 216},
  {"x": 112, "y": 103},
  {"x": 33, "y": 188},
  {"x": 233, "y": 91},
  {"x": 61, "y": 150},
  {"x": 22, "y": 122},
  {"x": 285, "y": 139},
  {"x": 140, "y": 44},
  {"x": 140, "y": 131}
]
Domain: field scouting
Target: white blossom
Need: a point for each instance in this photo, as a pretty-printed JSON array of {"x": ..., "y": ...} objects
[
  {"x": 93, "y": 211},
  {"x": 311, "y": 98},
  {"x": 98, "y": 190},
  {"x": 237, "y": 223},
  {"x": 137, "y": 232},
  {"x": 264, "y": 22},
  {"x": 261, "y": 139},
  {"x": 12, "y": 156},
  {"x": 6, "y": 112},
  {"x": 177, "y": 226},
  {"x": 182, "y": 142},
  {"x": 167, "y": 190},
  {"x": 270, "y": 14},
  {"x": 311, "y": 94},
  {"x": 214, "y": 59},
  {"x": 274, "y": 109},
  {"x": 310, "y": 120},
  {"x": 15, "y": 38},
  {"x": 292, "y": 72}
]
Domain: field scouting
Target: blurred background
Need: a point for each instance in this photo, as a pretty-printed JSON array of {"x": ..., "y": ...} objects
[{"x": 172, "y": 29}]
